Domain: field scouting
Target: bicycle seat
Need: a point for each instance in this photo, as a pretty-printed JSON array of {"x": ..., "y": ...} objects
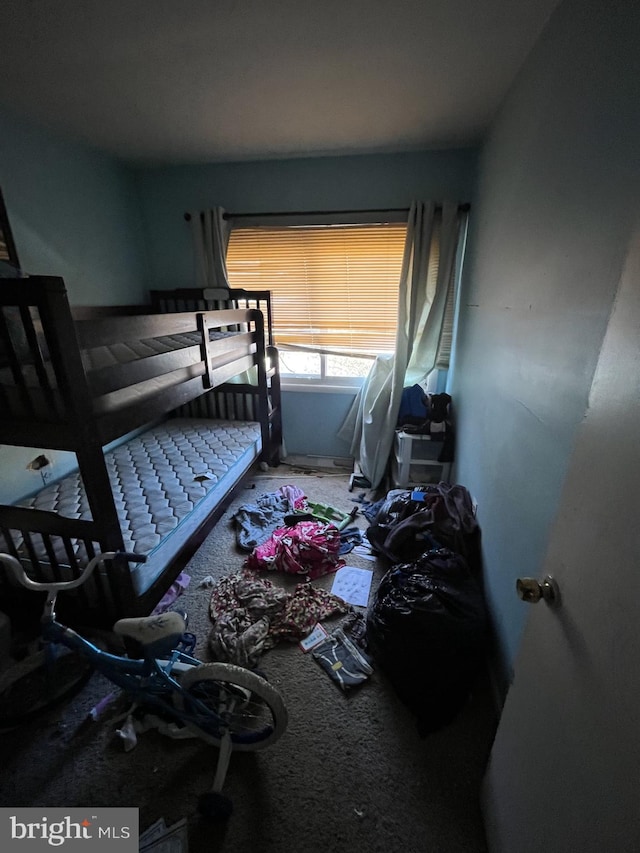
[{"x": 150, "y": 629}]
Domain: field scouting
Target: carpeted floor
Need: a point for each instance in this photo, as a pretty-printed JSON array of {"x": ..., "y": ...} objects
[{"x": 349, "y": 774}]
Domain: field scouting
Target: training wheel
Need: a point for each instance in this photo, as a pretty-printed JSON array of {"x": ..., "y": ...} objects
[{"x": 215, "y": 806}]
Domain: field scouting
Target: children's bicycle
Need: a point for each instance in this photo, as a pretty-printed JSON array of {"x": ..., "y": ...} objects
[{"x": 225, "y": 705}]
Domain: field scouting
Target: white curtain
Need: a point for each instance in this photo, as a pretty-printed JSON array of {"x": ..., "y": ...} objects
[
  {"x": 371, "y": 421},
  {"x": 210, "y": 239}
]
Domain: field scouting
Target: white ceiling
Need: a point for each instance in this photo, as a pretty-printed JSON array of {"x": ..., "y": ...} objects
[{"x": 190, "y": 81}]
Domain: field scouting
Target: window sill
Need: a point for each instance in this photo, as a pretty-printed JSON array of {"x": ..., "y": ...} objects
[{"x": 327, "y": 386}]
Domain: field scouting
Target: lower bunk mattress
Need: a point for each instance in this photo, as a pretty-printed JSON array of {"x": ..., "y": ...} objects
[{"x": 165, "y": 481}]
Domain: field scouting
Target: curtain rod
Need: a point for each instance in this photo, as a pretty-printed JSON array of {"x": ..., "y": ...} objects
[{"x": 462, "y": 207}]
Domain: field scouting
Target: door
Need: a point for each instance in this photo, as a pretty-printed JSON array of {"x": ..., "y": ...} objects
[{"x": 564, "y": 773}]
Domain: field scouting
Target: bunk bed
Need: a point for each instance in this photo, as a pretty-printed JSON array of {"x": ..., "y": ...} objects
[{"x": 166, "y": 406}]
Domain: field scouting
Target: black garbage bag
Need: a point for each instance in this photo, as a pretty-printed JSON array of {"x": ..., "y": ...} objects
[
  {"x": 407, "y": 526},
  {"x": 427, "y": 630}
]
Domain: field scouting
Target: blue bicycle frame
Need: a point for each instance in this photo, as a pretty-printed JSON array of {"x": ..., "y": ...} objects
[
  {"x": 148, "y": 681},
  {"x": 216, "y": 704}
]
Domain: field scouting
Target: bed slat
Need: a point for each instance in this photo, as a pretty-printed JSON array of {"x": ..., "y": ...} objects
[{"x": 115, "y": 377}]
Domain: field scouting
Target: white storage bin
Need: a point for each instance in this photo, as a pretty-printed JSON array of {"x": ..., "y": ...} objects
[{"x": 415, "y": 460}]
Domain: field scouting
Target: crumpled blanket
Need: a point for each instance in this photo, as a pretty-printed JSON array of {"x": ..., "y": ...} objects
[
  {"x": 256, "y": 522},
  {"x": 310, "y": 548},
  {"x": 251, "y": 614}
]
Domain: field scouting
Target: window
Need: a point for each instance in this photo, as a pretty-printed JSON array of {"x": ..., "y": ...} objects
[{"x": 334, "y": 292}]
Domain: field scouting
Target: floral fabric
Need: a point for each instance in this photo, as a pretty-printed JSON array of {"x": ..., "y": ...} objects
[{"x": 251, "y": 614}]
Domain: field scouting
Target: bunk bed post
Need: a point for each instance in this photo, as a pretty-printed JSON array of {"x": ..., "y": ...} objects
[
  {"x": 56, "y": 314},
  {"x": 263, "y": 391},
  {"x": 203, "y": 329},
  {"x": 267, "y": 300},
  {"x": 275, "y": 410}
]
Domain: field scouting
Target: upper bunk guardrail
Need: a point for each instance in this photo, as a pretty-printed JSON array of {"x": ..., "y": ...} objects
[
  {"x": 61, "y": 375},
  {"x": 42, "y": 381},
  {"x": 215, "y": 299}
]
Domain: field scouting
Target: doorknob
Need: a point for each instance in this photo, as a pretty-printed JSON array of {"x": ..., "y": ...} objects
[{"x": 531, "y": 590}]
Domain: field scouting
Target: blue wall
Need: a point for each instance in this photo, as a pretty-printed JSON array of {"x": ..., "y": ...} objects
[
  {"x": 310, "y": 421},
  {"x": 319, "y": 183},
  {"x": 558, "y": 196},
  {"x": 73, "y": 213}
]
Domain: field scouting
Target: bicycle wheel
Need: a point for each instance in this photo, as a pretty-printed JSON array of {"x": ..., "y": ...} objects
[
  {"x": 237, "y": 700},
  {"x": 38, "y": 683}
]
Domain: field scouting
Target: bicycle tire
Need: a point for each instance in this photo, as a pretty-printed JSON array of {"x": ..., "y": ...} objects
[
  {"x": 254, "y": 722},
  {"x": 36, "y": 685}
]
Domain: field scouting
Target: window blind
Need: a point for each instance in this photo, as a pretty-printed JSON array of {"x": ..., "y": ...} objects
[{"x": 332, "y": 286}]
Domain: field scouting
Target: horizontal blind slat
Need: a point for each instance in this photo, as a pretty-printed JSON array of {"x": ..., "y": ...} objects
[{"x": 331, "y": 286}]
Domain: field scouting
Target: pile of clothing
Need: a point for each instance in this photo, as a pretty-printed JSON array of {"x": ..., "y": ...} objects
[
  {"x": 250, "y": 615},
  {"x": 280, "y": 534},
  {"x": 427, "y": 625}
]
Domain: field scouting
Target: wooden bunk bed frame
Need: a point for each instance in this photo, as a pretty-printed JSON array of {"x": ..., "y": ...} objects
[
  {"x": 214, "y": 299},
  {"x": 231, "y": 400},
  {"x": 52, "y": 399}
]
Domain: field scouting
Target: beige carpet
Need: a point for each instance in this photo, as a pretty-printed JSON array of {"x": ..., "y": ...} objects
[{"x": 350, "y": 773}]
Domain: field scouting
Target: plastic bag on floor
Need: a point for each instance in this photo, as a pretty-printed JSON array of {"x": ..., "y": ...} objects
[
  {"x": 410, "y": 522},
  {"x": 426, "y": 628},
  {"x": 342, "y": 660}
]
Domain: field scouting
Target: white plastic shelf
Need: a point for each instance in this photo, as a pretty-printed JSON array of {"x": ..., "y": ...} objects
[{"x": 415, "y": 460}]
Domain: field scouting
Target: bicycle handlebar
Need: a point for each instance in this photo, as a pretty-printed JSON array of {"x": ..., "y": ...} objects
[{"x": 16, "y": 567}]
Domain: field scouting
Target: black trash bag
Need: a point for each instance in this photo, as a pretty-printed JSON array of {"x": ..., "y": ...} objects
[
  {"x": 427, "y": 631},
  {"x": 404, "y": 528}
]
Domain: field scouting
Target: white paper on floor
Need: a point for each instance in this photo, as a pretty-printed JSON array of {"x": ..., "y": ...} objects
[
  {"x": 353, "y": 585},
  {"x": 160, "y": 838}
]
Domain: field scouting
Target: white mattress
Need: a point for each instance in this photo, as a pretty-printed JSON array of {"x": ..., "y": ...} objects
[{"x": 165, "y": 482}]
